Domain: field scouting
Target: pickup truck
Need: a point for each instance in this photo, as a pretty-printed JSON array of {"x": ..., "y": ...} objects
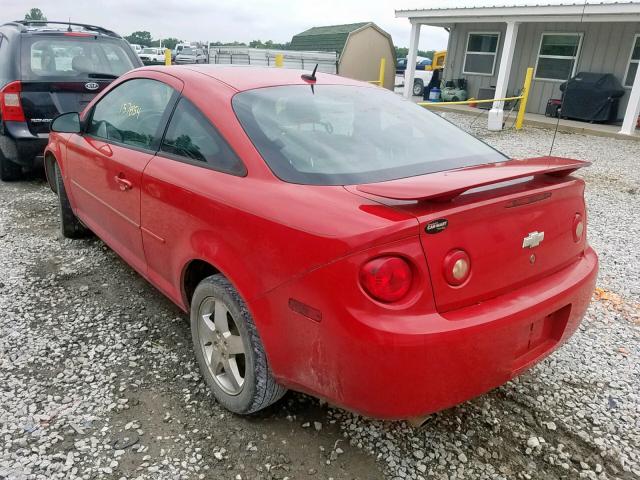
[
  {"x": 420, "y": 80},
  {"x": 423, "y": 77},
  {"x": 152, "y": 56}
]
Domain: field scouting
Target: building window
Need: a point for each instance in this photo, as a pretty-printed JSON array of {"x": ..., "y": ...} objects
[
  {"x": 634, "y": 61},
  {"x": 480, "y": 57},
  {"x": 557, "y": 56}
]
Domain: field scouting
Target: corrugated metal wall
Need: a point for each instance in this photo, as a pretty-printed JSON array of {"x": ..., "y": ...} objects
[{"x": 605, "y": 49}]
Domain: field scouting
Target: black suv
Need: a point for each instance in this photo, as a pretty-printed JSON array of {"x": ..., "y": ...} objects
[{"x": 48, "y": 68}]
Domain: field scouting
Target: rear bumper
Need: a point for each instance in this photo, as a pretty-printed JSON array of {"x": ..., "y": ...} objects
[
  {"x": 22, "y": 147},
  {"x": 411, "y": 367}
]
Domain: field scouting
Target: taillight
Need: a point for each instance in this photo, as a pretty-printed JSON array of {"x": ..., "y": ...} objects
[
  {"x": 10, "y": 104},
  {"x": 578, "y": 227},
  {"x": 387, "y": 279},
  {"x": 457, "y": 267}
]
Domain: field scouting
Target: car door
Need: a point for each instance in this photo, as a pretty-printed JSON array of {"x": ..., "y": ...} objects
[
  {"x": 180, "y": 197},
  {"x": 105, "y": 164}
]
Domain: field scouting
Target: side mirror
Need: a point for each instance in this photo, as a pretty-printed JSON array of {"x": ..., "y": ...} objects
[{"x": 67, "y": 123}]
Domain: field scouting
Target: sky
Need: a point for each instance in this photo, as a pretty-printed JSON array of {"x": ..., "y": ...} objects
[
  {"x": 246, "y": 20},
  {"x": 229, "y": 20}
]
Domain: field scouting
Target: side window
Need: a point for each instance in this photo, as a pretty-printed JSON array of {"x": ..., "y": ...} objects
[
  {"x": 131, "y": 113},
  {"x": 480, "y": 57},
  {"x": 191, "y": 136},
  {"x": 557, "y": 56},
  {"x": 634, "y": 61}
]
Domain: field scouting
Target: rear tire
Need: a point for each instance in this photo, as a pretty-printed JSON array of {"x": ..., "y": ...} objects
[
  {"x": 9, "y": 171},
  {"x": 228, "y": 348},
  {"x": 70, "y": 226}
]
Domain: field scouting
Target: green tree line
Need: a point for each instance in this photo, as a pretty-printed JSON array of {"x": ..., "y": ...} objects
[{"x": 403, "y": 52}]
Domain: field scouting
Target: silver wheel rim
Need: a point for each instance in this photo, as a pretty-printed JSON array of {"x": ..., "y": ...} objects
[
  {"x": 221, "y": 345},
  {"x": 416, "y": 88}
]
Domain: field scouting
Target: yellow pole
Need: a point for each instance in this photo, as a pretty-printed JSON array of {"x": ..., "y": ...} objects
[
  {"x": 525, "y": 96},
  {"x": 383, "y": 64},
  {"x": 167, "y": 57},
  {"x": 279, "y": 60}
]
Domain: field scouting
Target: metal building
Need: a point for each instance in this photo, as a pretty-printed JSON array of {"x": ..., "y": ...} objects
[{"x": 493, "y": 46}]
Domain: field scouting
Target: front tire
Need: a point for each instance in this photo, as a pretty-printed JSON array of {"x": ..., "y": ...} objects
[
  {"x": 228, "y": 349},
  {"x": 70, "y": 226},
  {"x": 418, "y": 87},
  {"x": 9, "y": 171}
]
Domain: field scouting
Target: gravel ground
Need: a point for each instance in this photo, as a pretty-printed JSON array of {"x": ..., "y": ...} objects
[{"x": 99, "y": 380}]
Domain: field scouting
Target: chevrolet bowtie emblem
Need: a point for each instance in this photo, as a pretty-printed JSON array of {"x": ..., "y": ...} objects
[{"x": 533, "y": 240}]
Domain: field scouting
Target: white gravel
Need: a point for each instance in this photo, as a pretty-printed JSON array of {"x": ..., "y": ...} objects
[{"x": 97, "y": 378}]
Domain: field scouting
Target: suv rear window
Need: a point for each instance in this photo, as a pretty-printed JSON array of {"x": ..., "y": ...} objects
[
  {"x": 343, "y": 135},
  {"x": 71, "y": 58}
]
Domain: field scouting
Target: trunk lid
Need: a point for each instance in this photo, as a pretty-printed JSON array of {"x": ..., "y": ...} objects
[
  {"x": 504, "y": 204},
  {"x": 43, "y": 101}
]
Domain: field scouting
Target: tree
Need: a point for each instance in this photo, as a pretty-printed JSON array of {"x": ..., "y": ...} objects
[
  {"x": 269, "y": 44},
  {"x": 403, "y": 52},
  {"x": 140, "y": 38},
  {"x": 228, "y": 44},
  {"x": 35, "y": 14},
  {"x": 169, "y": 43}
]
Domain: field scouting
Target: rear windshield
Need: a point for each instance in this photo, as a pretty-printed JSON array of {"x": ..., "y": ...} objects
[
  {"x": 342, "y": 135},
  {"x": 149, "y": 50},
  {"x": 70, "y": 58}
]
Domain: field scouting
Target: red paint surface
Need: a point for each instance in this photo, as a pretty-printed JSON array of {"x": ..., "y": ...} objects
[{"x": 284, "y": 244}]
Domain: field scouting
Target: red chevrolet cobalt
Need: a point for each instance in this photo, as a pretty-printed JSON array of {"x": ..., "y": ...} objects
[{"x": 327, "y": 236}]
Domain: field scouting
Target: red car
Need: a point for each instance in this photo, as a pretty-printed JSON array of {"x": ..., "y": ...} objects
[{"x": 328, "y": 236}]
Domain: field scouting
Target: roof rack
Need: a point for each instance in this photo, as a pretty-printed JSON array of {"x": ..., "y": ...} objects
[{"x": 93, "y": 28}]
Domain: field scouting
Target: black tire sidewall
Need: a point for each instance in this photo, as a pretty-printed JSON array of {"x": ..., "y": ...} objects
[
  {"x": 416, "y": 84},
  {"x": 9, "y": 171},
  {"x": 220, "y": 289},
  {"x": 70, "y": 226}
]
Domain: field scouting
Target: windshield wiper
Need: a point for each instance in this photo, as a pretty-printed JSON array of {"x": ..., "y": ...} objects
[{"x": 102, "y": 75}]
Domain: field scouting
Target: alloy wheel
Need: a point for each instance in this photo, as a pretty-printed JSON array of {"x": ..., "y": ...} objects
[{"x": 222, "y": 345}]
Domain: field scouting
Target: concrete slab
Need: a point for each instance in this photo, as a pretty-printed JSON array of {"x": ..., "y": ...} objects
[{"x": 541, "y": 121}]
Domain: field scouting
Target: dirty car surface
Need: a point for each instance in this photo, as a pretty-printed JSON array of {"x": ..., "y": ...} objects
[{"x": 328, "y": 237}]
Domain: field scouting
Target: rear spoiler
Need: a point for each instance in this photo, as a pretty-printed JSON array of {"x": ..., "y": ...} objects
[{"x": 443, "y": 186}]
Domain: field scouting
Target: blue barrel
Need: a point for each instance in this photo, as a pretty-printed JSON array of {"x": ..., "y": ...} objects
[{"x": 434, "y": 94}]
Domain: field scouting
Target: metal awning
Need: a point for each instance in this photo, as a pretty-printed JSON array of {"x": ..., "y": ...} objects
[
  {"x": 563, "y": 12},
  {"x": 513, "y": 16}
]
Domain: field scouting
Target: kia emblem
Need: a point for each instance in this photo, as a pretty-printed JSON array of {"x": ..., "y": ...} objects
[{"x": 91, "y": 86}]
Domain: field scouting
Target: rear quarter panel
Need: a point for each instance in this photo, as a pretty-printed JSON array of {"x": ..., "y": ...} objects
[{"x": 257, "y": 230}]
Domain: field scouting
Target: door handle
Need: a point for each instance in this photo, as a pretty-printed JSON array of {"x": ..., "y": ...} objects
[{"x": 123, "y": 183}]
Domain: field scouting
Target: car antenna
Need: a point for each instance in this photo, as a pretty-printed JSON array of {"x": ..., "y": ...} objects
[
  {"x": 69, "y": 27},
  {"x": 312, "y": 77}
]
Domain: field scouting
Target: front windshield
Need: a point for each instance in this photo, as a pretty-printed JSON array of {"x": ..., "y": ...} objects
[
  {"x": 149, "y": 50},
  {"x": 187, "y": 51},
  {"x": 73, "y": 58},
  {"x": 342, "y": 135}
]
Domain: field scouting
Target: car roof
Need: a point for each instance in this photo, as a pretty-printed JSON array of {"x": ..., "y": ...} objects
[
  {"x": 242, "y": 77},
  {"x": 49, "y": 27}
]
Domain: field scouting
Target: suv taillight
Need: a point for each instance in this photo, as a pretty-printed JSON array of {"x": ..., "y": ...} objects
[{"x": 10, "y": 104}]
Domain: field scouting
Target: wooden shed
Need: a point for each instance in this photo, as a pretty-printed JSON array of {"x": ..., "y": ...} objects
[{"x": 359, "y": 46}]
